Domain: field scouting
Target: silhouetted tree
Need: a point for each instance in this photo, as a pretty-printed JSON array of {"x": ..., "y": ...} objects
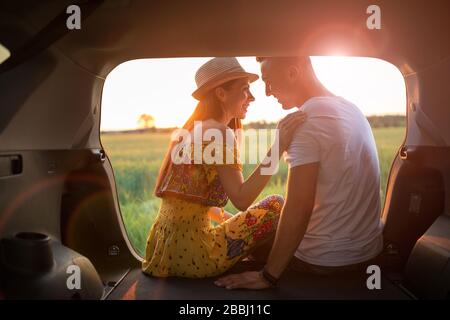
[{"x": 146, "y": 121}]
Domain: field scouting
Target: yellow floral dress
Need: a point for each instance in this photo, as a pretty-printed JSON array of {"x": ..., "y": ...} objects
[{"x": 183, "y": 242}]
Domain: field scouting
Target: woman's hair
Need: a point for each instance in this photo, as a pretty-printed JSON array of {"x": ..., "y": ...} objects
[{"x": 209, "y": 107}]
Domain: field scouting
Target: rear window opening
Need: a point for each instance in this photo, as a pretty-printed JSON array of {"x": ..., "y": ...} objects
[{"x": 145, "y": 100}]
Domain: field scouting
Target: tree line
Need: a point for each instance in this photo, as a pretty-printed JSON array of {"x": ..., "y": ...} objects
[
  {"x": 374, "y": 121},
  {"x": 147, "y": 124}
]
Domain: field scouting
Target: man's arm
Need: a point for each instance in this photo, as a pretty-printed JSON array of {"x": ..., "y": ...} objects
[{"x": 294, "y": 219}]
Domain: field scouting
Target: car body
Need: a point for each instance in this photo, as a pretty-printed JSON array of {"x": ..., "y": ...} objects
[{"x": 58, "y": 198}]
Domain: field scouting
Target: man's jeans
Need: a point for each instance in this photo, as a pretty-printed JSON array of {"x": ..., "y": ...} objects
[{"x": 261, "y": 253}]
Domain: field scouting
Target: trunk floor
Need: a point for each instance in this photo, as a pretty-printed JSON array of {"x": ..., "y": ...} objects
[{"x": 138, "y": 286}]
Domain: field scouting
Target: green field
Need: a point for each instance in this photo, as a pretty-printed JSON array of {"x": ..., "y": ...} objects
[{"x": 136, "y": 159}]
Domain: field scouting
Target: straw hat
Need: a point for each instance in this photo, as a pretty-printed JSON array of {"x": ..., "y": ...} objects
[{"x": 217, "y": 71}]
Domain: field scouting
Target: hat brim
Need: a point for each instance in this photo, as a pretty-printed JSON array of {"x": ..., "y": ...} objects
[{"x": 200, "y": 92}]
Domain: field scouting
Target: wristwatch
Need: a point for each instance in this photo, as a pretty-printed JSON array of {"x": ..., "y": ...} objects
[{"x": 270, "y": 279}]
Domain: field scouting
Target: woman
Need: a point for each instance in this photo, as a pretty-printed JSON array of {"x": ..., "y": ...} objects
[{"x": 182, "y": 241}]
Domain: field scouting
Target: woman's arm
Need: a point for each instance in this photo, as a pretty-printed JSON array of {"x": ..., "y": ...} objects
[{"x": 243, "y": 193}]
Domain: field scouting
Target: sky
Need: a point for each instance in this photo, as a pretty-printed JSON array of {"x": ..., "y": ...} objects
[{"x": 163, "y": 88}]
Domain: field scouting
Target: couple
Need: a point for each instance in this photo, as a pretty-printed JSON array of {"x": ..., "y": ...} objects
[{"x": 330, "y": 220}]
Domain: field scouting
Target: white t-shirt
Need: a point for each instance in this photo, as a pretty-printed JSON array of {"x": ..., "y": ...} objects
[{"x": 345, "y": 226}]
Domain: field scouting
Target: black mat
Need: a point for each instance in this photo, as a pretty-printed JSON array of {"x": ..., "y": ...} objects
[{"x": 293, "y": 285}]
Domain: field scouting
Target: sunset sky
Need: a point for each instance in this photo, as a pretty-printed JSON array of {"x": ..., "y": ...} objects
[{"x": 163, "y": 87}]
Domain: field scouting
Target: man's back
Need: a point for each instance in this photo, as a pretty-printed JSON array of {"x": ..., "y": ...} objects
[{"x": 345, "y": 226}]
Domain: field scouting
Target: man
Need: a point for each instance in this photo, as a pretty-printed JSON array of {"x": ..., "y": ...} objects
[{"x": 331, "y": 217}]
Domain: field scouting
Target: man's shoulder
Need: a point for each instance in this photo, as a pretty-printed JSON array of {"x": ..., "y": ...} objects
[
  {"x": 327, "y": 104},
  {"x": 318, "y": 110}
]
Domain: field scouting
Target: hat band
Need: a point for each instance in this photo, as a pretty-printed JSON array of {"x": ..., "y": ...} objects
[{"x": 218, "y": 73}]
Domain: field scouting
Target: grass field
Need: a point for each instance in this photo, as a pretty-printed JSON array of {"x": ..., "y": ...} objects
[{"x": 136, "y": 159}]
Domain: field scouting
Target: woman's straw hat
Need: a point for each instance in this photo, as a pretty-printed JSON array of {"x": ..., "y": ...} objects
[{"x": 217, "y": 71}]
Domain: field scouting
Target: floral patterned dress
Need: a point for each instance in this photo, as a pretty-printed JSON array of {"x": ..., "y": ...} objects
[{"x": 183, "y": 242}]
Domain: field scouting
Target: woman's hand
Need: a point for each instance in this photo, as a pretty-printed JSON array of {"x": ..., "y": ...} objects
[
  {"x": 286, "y": 128},
  {"x": 218, "y": 214},
  {"x": 243, "y": 193}
]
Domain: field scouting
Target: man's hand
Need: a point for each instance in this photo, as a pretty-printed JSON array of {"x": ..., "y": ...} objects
[{"x": 246, "y": 280}]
